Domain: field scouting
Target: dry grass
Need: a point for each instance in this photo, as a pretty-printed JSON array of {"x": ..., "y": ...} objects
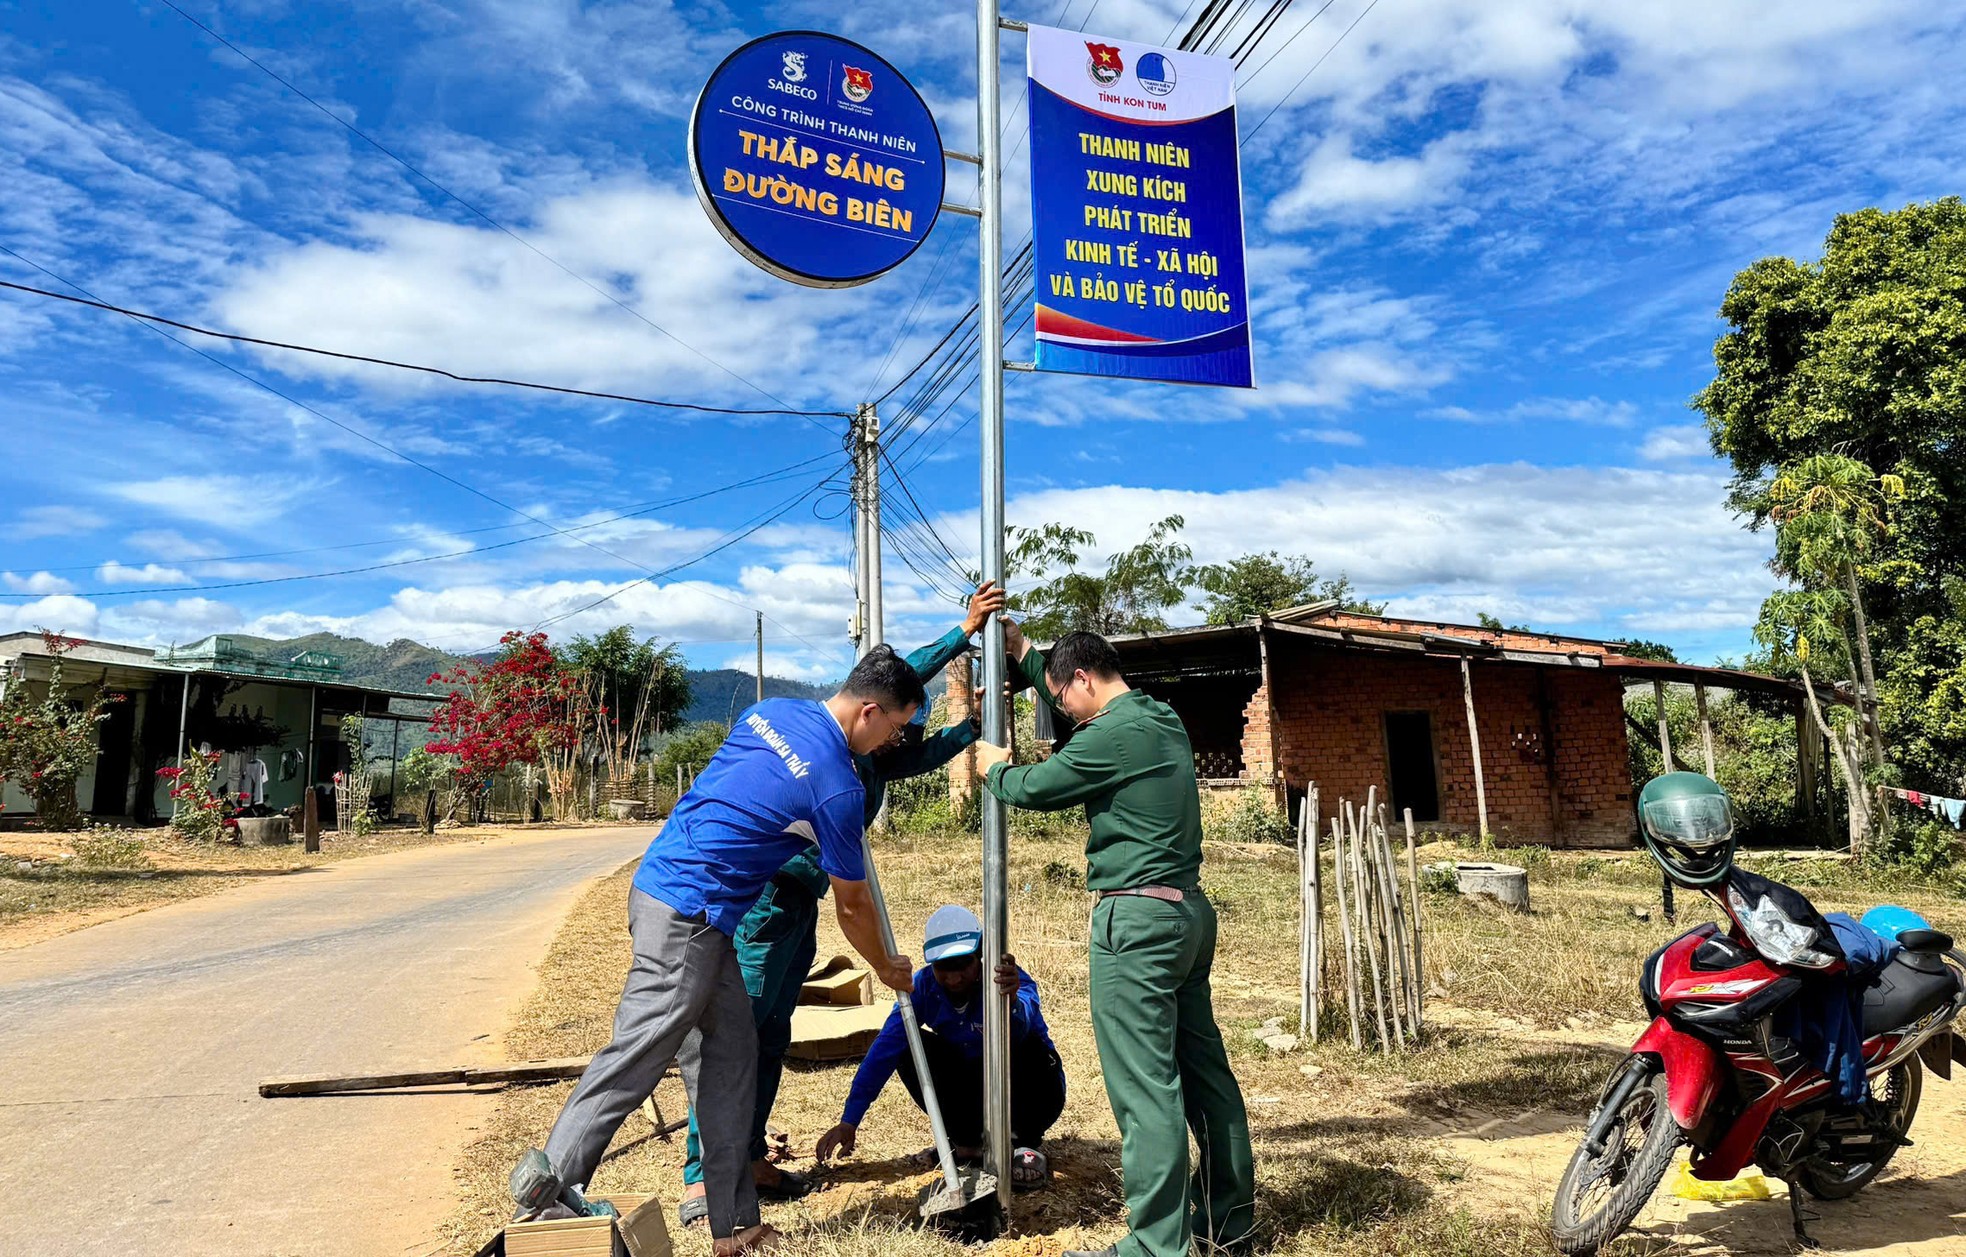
[
  {"x": 46, "y": 888},
  {"x": 1352, "y": 1153}
]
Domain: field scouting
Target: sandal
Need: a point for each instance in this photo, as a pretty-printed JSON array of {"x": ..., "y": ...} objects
[
  {"x": 692, "y": 1210},
  {"x": 763, "y": 1239},
  {"x": 791, "y": 1185},
  {"x": 1029, "y": 1170}
]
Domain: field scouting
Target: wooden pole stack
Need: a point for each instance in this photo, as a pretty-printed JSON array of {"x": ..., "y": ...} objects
[{"x": 1377, "y": 952}]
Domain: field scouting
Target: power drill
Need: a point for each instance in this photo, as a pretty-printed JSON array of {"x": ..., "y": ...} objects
[{"x": 537, "y": 1188}]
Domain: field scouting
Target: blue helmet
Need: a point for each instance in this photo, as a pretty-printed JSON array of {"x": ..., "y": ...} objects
[{"x": 1888, "y": 921}]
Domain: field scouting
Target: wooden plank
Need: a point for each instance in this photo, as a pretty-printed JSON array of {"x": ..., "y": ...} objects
[
  {"x": 1474, "y": 745},
  {"x": 332, "y": 1084}
]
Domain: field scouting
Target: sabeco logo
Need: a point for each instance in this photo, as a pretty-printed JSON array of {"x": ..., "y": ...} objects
[{"x": 803, "y": 93}]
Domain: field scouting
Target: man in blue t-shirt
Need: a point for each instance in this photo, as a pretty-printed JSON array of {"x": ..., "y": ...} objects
[
  {"x": 948, "y": 1002},
  {"x": 782, "y": 782}
]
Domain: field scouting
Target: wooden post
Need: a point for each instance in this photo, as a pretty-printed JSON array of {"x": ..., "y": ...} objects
[
  {"x": 1805, "y": 768},
  {"x": 310, "y": 822},
  {"x": 1367, "y": 929},
  {"x": 1354, "y": 1009},
  {"x": 1306, "y": 925},
  {"x": 1665, "y": 734},
  {"x": 1395, "y": 922},
  {"x": 1316, "y": 892},
  {"x": 1413, "y": 901},
  {"x": 1706, "y": 726},
  {"x": 1474, "y": 745}
]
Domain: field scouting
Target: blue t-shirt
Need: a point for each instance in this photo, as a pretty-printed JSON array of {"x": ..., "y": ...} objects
[{"x": 782, "y": 782}]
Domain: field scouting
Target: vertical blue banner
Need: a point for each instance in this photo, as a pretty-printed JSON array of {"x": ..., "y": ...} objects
[{"x": 1136, "y": 212}]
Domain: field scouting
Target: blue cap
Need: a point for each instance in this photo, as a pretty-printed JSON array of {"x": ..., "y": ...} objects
[
  {"x": 1889, "y": 921},
  {"x": 952, "y": 931}
]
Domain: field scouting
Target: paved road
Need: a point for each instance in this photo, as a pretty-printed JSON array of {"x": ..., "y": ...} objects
[{"x": 130, "y": 1052}]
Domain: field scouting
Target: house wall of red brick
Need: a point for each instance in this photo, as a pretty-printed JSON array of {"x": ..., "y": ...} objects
[{"x": 1552, "y": 739}]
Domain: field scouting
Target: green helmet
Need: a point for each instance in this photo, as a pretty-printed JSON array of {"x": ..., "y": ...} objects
[{"x": 1689, "y": 827}]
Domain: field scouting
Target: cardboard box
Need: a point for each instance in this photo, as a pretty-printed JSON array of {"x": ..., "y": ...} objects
[
  {"x": 641, "y": 1231},
  {"x": 836, "y": 1032},
  {"x": 847, "y": 987}
]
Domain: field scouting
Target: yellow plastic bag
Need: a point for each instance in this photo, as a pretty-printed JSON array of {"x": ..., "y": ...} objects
[{"x": 1749, "y": 1186}]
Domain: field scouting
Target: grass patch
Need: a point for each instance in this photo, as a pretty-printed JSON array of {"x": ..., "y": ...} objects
[{"x": 1350, "y": 1148}]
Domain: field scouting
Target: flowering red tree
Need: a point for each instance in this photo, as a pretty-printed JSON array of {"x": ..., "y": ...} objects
[
  {"x": 46, "y": 744},
  {"x": 522, "y": 707}
]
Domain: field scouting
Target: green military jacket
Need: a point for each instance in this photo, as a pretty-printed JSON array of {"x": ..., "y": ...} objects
[{"x": 1134, "y": 770}]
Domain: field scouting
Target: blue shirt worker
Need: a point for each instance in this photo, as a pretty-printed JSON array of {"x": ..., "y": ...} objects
[
  {"x": 776, "y": 941},
  {"x": 781, "y": 784},
  {"x": 948, "y": 1003}
]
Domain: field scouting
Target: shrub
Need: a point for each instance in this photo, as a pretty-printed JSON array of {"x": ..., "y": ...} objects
[
  {"x": 1251, "y": 817},
  {"x": 105, "y": 848},
  {"x": 46, "y": 744},
  {"x": 690, "y": 749},
  {"x": 1930, "y": 847},
  {"x": 199, "y": 815}
]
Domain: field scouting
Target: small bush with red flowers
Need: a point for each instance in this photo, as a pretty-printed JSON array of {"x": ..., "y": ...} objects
[{"x": 199, "y": 815}]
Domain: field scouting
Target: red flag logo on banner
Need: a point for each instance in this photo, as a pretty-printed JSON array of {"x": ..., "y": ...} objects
[
  {"x": 858, "y": 84},
  {"x": 1104, "y": 63}
]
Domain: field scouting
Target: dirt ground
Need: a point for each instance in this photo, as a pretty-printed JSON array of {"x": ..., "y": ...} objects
[
  {"x": 46, "y": 891},
  {"x": 1453, "y": 1147}
]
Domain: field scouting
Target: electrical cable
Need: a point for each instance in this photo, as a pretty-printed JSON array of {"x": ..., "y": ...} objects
[
  {"x": 1307, "y": 74},
  {"x": 402, "y": 366},
  {"x": 358, "y": 133},
  {"x": 1285, "y": 45}
]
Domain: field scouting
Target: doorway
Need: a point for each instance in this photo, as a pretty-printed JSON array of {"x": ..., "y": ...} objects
[
  {"x": 113, "y": 748},
  {"x": 1411, "y": 771}
]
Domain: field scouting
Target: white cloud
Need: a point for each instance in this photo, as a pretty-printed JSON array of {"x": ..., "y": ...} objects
[
  {"x": 60, "y": 613},
  {"x": 236, "y": 503},
  {"x": 1676, "y": 442},
  {"x": 1326, "y": 436},
  {"x": 114, "y": 573},
  {"x": 37, "y": 583},
  {"x": 1585, "y": 410},
  {"x": 1337, "y": 184},
  {"x": 34, "y": 522}
]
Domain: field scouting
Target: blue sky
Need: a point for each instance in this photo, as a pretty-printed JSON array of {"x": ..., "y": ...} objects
[{"x": 1487, "y": 244}]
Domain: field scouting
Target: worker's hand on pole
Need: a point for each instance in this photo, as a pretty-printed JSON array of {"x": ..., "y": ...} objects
[
  {"x": 898, "y": 972},
  {"x": 984, "y": 603},
  {"x": 1007, "y": 975},
  {"x": 989, "y": 754},
  {"x": 1014, "y": 643},
  {"x": 839, "y": 1141}
]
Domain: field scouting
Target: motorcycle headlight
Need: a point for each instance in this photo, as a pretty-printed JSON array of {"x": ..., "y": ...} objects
[{"x": 1776, "y": 936}]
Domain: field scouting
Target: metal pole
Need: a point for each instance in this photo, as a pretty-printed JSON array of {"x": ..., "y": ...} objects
[
  {"x": 183, "y": 710},
  {"x": 761, "y": 656},
  {"x": 996, "y": 851}
]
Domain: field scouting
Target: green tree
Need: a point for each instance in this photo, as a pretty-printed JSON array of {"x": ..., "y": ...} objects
[
  {"x": 1803, "y": 628},
  {"x": 1857, "y": 355},
  {"x": 1639, "y": 649},
  {"x": 640, "y": 690},
  {"x": 47, "y": 743},
  {"x": 1137, "y": 585},
  {"x": 1257, "y": 584}
]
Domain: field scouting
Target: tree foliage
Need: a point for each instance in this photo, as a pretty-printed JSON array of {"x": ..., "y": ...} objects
[
  {"x": 1129, "y": 596},
  {"x": 1257, "y": 584},
  {"x": 513, "y": 710},
  {"x": 642, "y": 687},
  {"x": 47, "y": 743},
  {"x": 1839, "y": 396}
]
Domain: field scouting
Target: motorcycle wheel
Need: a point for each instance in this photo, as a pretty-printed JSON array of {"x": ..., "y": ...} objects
[
  {"x": 1599, "y": 1196},
  {"x": 1898, "y": 1092}
]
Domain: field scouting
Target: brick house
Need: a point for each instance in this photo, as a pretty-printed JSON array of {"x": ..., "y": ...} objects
[{"x": 1349, "y": 701}]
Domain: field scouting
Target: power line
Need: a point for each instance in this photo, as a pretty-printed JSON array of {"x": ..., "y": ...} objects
[
  {"x": 766, "y": 478},
  {"x": 1307, "y": 74},
  {"x": 379, "y": 147},
  {"x": 401, "y": 366},
  {"x": 1285, "y": 45}
]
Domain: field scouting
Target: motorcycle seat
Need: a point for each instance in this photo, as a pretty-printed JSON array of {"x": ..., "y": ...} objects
[
  {"x": 1925, "y": 941},
  {"x": 1902, "y": 994}
]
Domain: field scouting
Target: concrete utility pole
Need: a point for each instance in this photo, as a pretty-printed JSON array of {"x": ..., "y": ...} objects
[
  {"x": 996, "y": 851},
  {"x": 761, "y": 656},
  {"x": 870, "y": 626}
]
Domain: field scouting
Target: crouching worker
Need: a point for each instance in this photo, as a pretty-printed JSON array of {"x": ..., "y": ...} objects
[
  {"x": 948, "y": 999},
  {"x": 782, "y": 783}
]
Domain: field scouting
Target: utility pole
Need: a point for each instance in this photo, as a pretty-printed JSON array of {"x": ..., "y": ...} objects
[
  {"x": 857, "y": 626},
  {"x": 761, "y": 656},
  {"x": 996, "y": 851},
  {"x": 874, "y": 627}
]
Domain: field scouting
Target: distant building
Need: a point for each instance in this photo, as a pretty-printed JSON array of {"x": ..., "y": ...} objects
[
  {"x": 283, "y": 713},
  {"x": 1350, "y": 701}
]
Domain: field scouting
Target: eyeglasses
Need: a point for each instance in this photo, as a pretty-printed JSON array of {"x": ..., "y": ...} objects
[
  {"x": 1058, "y": 695},
  {"x": 894, "y": 722}
]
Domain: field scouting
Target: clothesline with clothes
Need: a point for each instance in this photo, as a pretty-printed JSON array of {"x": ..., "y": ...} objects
[{"x": 1951, "y": 811}]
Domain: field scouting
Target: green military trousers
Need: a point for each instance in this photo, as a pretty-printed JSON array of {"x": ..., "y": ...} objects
[{"x": 1167, "y": 1073}]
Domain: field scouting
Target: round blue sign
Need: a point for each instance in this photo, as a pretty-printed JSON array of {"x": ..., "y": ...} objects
[{"x": 816, "y": 159}]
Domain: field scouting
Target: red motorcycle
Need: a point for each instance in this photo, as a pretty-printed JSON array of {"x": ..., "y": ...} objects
[{"x": 1714, "y": 1071}]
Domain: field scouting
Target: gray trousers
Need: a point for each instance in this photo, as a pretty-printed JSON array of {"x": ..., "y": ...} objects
[{"x": 685, "y": 977}]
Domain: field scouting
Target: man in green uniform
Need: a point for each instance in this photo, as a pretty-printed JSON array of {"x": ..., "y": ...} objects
[{"x": 1153, "y": 941}]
